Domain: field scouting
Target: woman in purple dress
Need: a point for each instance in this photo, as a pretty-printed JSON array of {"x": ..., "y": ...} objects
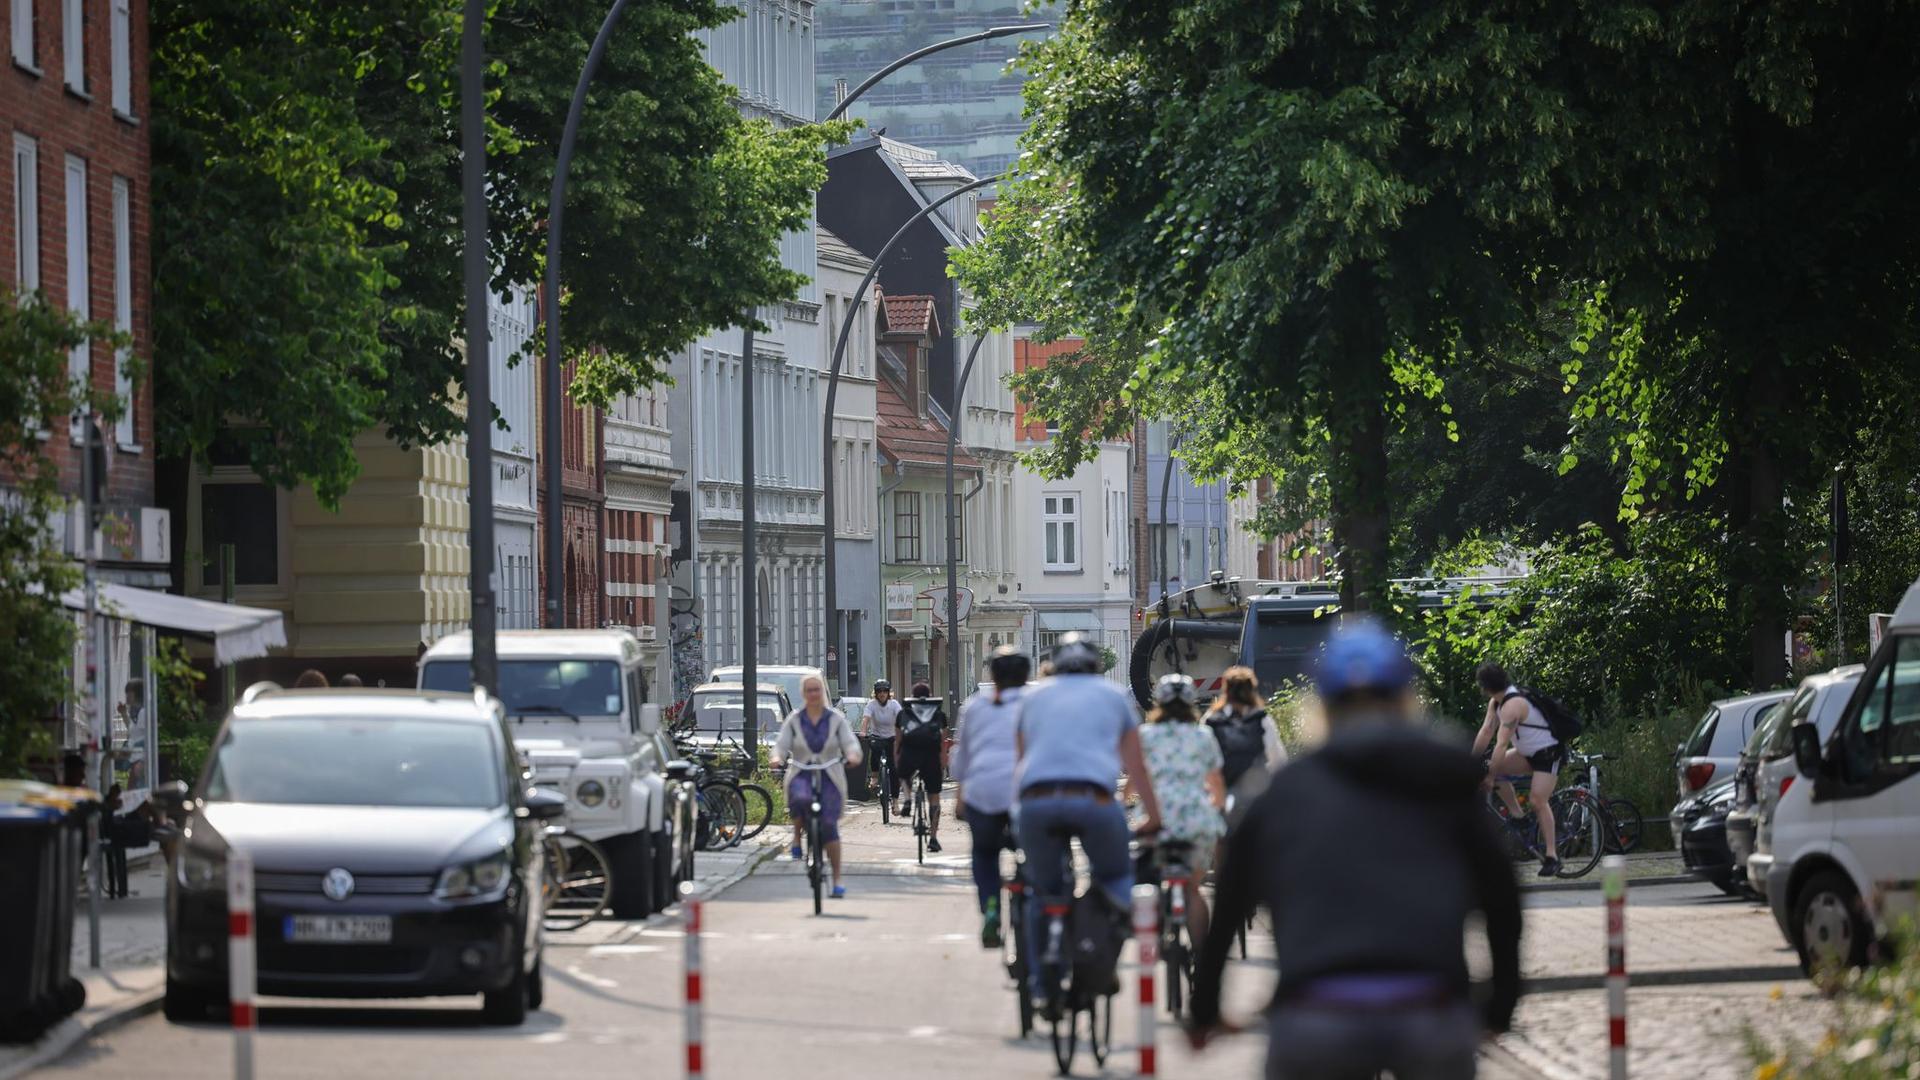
[{"x": 812, "y": 734}]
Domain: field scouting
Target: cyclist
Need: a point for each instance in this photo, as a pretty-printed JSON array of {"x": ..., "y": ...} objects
[
  {"x": 1373, "y": 972},
  {"x": 918, "y": 745},
  {"x": 1076, "y": 735},
  {"x": 1522, "y": 743},
  {"x": 877, "y": 726},
  {"x": 983, "y": 759},
  {"x": 1184, "y": 760},
  {"x": 817, "y": 732},
  {"x": 1240, "y": 723}
]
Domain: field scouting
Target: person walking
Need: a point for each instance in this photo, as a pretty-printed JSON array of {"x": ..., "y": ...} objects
[
  {"x": 919, "y": 746},
  {"x": 1184, "y": 760},
  {"x": 1523, "y": 743},
  {"x": 1239, "y": 722},
  {"x": 983, "y": 761},
  {"x": 814, "y": 733},
  {"x": 877, "y": 726},
  {"x": 1370, "y": 854},
  {"x": 1076, "y": 735}
]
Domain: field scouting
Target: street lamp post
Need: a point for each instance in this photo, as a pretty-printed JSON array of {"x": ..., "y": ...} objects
[
  {"x": 473, "y": 179},
  {"x": 953, "y": 536},
  {"x": 830, "y": 570}
]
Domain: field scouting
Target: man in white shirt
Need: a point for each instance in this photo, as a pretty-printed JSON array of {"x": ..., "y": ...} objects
[{"x": 877, "y": 727}]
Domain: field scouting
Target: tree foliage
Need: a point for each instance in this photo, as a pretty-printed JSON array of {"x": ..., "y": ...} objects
[
  {"x": 307, "y": 210},
  {"x": 37, "y": 394}
]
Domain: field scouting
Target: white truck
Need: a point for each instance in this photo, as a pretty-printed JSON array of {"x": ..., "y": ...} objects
[{"x": 576, "y": 702}]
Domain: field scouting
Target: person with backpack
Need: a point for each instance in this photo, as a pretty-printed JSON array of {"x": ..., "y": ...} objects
[
  {"x": 1371, "y": 948},
  {"x": 1184, "y": 761},
  {"x": 919, "y": 747},
  {"x": 1528, "y": 733},
  {"x": 1239, "y": 722},
  {"x": 982, "y": 767}
]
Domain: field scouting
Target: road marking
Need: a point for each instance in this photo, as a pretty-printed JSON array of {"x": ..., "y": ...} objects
[
  {"x": 623, "y": 950},
  {"x": 922, "y": 1032},
  {"x": 592, "y": 980}
]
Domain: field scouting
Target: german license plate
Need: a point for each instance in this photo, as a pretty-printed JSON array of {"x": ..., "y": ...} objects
[{"x": 340, "y": 929}]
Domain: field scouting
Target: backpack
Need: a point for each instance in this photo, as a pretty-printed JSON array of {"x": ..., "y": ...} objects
[
  {"x": 1243, "y": 743},
  {"x": 1561, "y": 721},
  {"x": 1096, "y": 932}
]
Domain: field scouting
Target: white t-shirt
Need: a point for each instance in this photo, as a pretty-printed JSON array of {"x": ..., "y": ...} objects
[
  {"x": 883, "y": 718},
  {"x": 1532, "y": 735}
]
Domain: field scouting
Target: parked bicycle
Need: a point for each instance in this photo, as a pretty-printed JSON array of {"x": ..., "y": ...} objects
[
  {"x": 1623, "y": 818},
  {"x": 578, "y": 883}
]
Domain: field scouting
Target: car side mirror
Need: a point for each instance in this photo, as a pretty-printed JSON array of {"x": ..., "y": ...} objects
[
  {"x": 649, "y": 719},
  {"x": 1806, "y": 749},
  {"x": 542, "y": 805}
]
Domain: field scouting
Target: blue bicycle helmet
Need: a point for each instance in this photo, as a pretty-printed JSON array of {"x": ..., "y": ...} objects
[{"x": 1363, "y": 657}]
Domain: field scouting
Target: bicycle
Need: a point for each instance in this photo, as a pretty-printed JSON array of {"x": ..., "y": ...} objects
[
  {"x": 756, "y": 801},
  {"x": 1066, "y": 1000},
  {"x": 816, "y": 852},
  {"x": 1014, "y": 950},
  {"x": 1580, "y": 824},
  {"x": 880, "y": 752},
  {"x": 919, "y": 819},
  {"x": 1624, "y": 819},
  {"x": 1168, "y": 861},
  {"x": 577, "y": 886}
]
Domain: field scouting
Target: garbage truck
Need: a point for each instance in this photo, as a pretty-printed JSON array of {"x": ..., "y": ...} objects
[{"x": 1274, "y": 627}]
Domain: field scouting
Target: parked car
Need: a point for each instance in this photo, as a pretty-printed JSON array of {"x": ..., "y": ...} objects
[
  {"x": 1699, "y": 824},
  {"x": 396, "y": 852},
  {"x": 714, "y": 713},
  {"x": 1710, "y": 753},
  {"x": 785, "y": 676},
  {"x": 576, "y": 704},
  {"x": 1819, "y": 701},
  {"x": 1846, "y": 861},
  {"x": 1742, "y": 818}
]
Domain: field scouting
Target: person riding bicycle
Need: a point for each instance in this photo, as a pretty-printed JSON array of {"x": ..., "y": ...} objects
[
  {"x": 1185, "y": 763},
  {"x": 1077, "y": 734},
  {"x": 1370, "y": 855},
  {"x": 877, "y": 727},
  {"x": 918, "y": 745},
  {"x": 814, "y": 733},
  {"x": 983, "y": 759},
  {"x": 1522, "y": 743},
  {"x": 1246, "y": 734}
]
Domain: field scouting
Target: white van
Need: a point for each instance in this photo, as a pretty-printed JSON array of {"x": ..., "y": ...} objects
[
  {"x": 1818, "y": 702},
  {"x": 1856, "y": 873}
]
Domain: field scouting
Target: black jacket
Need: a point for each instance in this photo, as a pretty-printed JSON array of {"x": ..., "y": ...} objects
[
  {"x": 1369, "y": 854},
  {"x": 922, "y": 726}
]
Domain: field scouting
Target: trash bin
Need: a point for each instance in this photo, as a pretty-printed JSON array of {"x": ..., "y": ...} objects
[{"x": 42, "y": 842}]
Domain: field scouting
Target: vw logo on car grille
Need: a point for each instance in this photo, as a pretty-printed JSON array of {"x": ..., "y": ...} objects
[{"x": 338, "y": 884}]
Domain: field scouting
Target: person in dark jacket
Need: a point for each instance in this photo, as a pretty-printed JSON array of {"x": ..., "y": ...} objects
[
  {"x": 919, "y": 749},
  {"x": 1369, "y": 854}
]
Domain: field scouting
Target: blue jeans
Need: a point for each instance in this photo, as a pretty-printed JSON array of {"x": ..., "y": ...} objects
[{"x": 1046, "y": 827}]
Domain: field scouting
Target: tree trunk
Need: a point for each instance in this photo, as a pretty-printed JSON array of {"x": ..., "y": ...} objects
[
  {"x": 1356, "y": 413},
  {"x": 1767, "y": 609}
]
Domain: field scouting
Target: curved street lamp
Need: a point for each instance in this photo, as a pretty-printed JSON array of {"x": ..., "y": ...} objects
[{"x": 953, "y": 535}]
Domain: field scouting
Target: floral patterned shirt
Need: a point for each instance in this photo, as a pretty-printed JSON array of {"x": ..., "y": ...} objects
[{"x": 1179, "y": 757}]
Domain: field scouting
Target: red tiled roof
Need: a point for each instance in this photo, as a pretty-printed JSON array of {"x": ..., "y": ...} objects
[
  {"x": 907, "y": 438},
  {"x": 910, "y": 315}
]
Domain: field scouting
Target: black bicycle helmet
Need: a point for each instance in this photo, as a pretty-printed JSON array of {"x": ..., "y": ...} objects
[
  {"x": 1009, "y": 666},
  {"x": 882, "y": 684},
  {"x": 1075, "y": 655}
]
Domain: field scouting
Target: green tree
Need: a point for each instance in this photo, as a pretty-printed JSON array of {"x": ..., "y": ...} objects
[
  {"x": 37, "y": 394},
  {"x": 307, "y": 205}
]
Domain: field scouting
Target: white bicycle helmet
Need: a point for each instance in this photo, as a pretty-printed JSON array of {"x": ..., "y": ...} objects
[{"x": 1176, "y": 687}]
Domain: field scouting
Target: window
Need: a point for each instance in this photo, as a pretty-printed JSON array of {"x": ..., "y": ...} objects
[
  {"x": 26, "y": 208},
  {"x": 79, "y": 361},
  {"x": 1062, "y": 525},
  {"x": 23, "y": 35},
  {"x": 73, "y": 43},
  {"x": 1885, "y": 735},
  {"x": 121, "y": 34},
  {"x": 123, "y": 305},
  {"x": 906, "y": 526},
  {"x": 957, "y": 525}
]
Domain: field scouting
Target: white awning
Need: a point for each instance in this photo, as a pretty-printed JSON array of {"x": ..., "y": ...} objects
[
  {"x": 1060, "y": 622},
  {"x": 238, "y": 633}
]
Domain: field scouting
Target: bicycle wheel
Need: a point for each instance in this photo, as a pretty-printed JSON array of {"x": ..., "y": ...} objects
[
  {"x": 724, "y": 812},
  {"x": 1016, "y": 958},
  {"x": 1627, "y": 826},
  {"x": 580, "y": 882},
  {"x": 1100, "y": 1027},
  {"x": 1175, "y": 953},
  {"x": 1065, "y": 1037},
  {"x": 1581, "y": 825},
  {"x": 919, "y": 822},
  {"x": 885, "y": 794},
  {"x": 814, "y": 858},
  {"x": 757, "y": 803}
]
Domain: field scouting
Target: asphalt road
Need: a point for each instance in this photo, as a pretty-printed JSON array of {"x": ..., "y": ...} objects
[{"x": 889, "y": 982}]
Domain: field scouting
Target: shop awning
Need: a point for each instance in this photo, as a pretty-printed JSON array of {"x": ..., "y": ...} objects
[
  {"x": 1060, "y": 622},
  {"x": 238, "y": 633}
]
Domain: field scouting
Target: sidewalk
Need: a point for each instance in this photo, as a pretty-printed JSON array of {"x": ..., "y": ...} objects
[{"x": 133, "y": 943}]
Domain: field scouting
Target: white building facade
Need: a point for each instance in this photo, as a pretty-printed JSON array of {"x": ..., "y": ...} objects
[
  {"x": 855, "y": 463},
  {"x": 510, "y": 322}
]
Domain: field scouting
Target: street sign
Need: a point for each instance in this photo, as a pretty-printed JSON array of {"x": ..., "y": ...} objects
[
  {"x": 939, "y": 598},
  {"x": 900, "y": 602}
]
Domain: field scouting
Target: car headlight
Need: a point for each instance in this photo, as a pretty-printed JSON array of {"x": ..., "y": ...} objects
[
  {"x": 201, "y": 871},
  {"x": 590, "y": 793},
  {"x": 482, "y": 877}
]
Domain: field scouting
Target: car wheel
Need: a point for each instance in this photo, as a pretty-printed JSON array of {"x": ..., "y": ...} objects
[
  {"x": 537, "y": 983},
  {"x": 186, "y": 1004},
  {"x": 507, "y": 1006},
  {"x": 631, "y": 857},
  {"x": 1830, "y": 926}
]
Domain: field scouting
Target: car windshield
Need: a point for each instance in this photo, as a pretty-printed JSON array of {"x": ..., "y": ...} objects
[
  {"x": 788, "y": 682},
  {"x": 1777, "y": 742},
  {"x": 570, "y": 688},
  {"x": 357, "y": 761},
  {"x": 1702, "y": 738},
  {"x": 1283, "y": 645},
  {"x": 714, "y": 708}
]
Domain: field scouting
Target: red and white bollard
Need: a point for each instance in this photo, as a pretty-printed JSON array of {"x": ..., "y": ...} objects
[
  {"x": 690, "y": 905},
  {"x": 1146, "y": 935},
  {"x": 240, "y": 959},
  {"x": 1614, "y": 879}
]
